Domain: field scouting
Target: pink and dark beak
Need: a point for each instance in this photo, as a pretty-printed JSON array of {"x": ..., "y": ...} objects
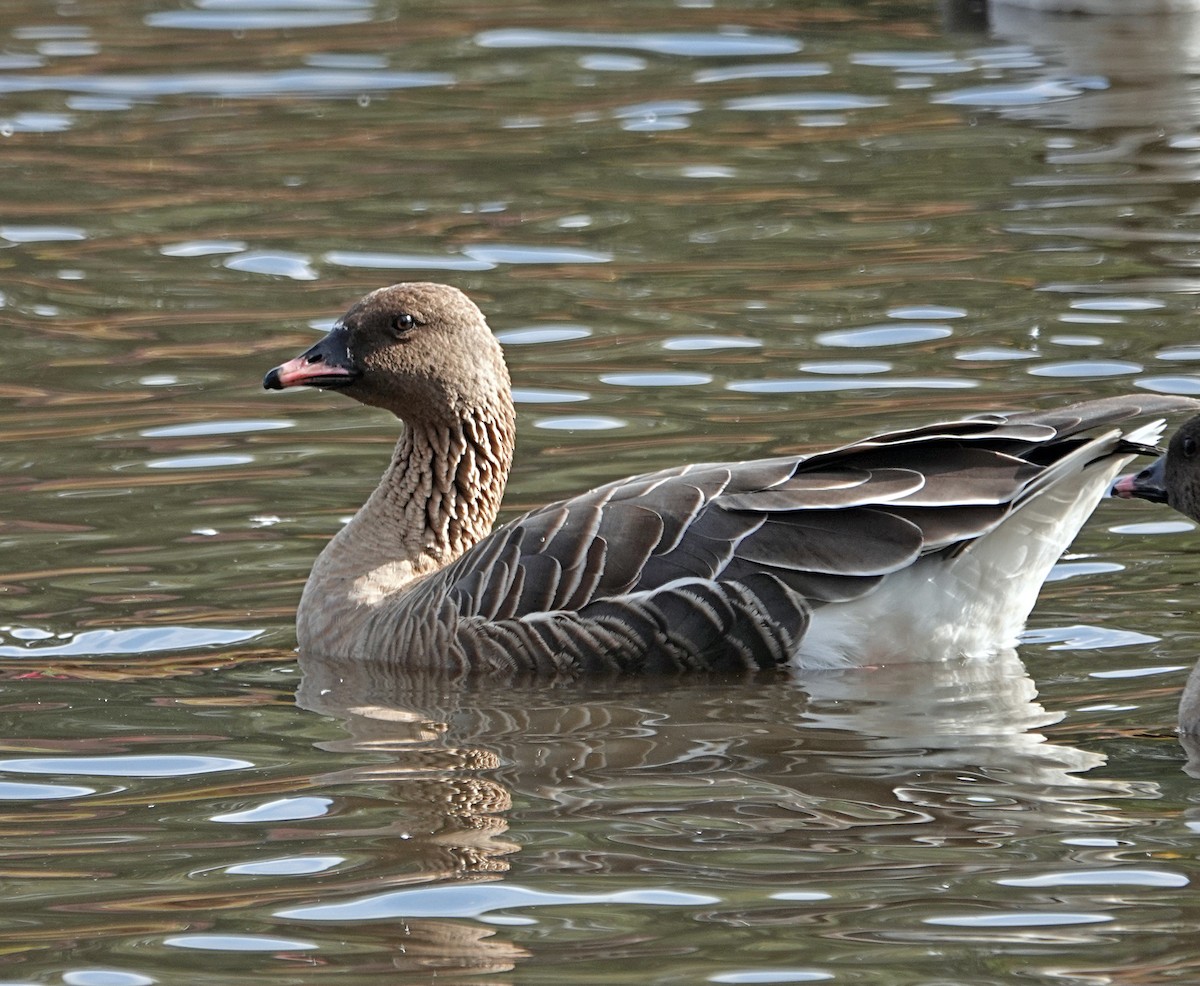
[
  {"x": 1149, "y": 484},
  {"x": 327, "y": 364}
]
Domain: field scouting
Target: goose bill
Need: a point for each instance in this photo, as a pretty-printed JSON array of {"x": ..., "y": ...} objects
[
  {"x": 1149, "y": 484},
  {"x": 327, "y": 364}
]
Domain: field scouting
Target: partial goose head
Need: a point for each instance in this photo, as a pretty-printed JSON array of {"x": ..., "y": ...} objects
[
  {"x": 1173, "y": 478},
  {"x": 422, "y": 351}
]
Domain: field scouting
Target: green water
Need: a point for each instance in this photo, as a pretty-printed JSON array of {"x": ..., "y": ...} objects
[{"x": 703, "y": 230}]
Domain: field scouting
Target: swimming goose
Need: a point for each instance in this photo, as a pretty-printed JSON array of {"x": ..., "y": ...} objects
[{"x": 921, "y": 542}]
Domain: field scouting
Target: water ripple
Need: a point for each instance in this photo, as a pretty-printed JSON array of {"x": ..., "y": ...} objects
[
  {"x": 663, "y": 378},
  {"x": 815, "y": 385},
  {"x": 704, "y": 343},
  {"x": 546, "y": 395},
  {"x": 238, "y": 943},
  {"x": 281, "y": 810},
  {"x": 13, "y": 791},
  {"x": 477, "y": 899},
  {"x": 133, "y": 765},
  {"x": 658, "y": 108},
  {"x": 536, "y": 255},
  {"x": 1184, "y": 385},
  {"x": 215, "y": 428},
  {"x": 1154, "y": 527},
  {"x": 279, "y": 263},
  {"x": 845, "y": 368},
  {"x": 937, "y": 62},
  {"x": 42, "y": 234},
  {"x": 1001, "y": 95},
  {"x": 379, "y": 260},
  {"x": 540, "y": 334},
  {"x": 1118, "y": 304},
  {"x": 200, "y": 462},
  {"x": 612, "y": 63},
  {"x": 805, "y": 101},
  {"x": 885, "y": 335},
  {"x": 202, "y": 248},
  {"x": 1116, "y": 877},
  {"x": 286, "y": 866},
  {"x": 693, "y": 45},
  {"x": 275, "y": 20},
  {"x": 772, "y": 976},
  {"x": 1017, "y": 919},
  {"x": 766, "y": 70},
  {"x": 36, "y": 123},
  {"x": 137, "y": 640},
  {"x": 226, "y": 85},
  {"x": 591, "y": 422},
  {"x": 106, "y": 977},
  {"x": 1083, "y": 637},
  {"x": 1086, "y": 368}
]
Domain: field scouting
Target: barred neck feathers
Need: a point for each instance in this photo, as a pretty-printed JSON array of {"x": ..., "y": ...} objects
[{"x": 445, "y": 483}]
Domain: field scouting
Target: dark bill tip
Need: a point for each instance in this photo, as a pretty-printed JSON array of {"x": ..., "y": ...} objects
[
  {"x": 1149, "y": 484},
  {"x": 327, "y": 364}
]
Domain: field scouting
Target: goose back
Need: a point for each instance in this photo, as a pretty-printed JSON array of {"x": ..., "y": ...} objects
[{"x": 724, "y": 565}]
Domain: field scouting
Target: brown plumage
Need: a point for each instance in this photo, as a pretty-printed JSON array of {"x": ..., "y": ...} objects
[{"x": 713, "y": 566}]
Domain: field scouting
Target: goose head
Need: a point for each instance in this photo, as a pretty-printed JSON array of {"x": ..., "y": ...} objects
[
  {"x": 1174, "y": 478},
  {"x": 422, "y": 351}
]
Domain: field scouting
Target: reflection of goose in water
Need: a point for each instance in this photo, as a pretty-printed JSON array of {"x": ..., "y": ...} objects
[
  {"x": 558, "y": 740},
  {"x": 930, "y": 541},
  {"x": 741, "y": 780}
]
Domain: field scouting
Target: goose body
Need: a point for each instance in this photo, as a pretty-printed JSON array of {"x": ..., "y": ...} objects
[{"x": 925, "y": 542}]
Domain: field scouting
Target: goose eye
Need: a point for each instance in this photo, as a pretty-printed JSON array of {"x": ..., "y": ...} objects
[
  {"x": 404, "y": 323},
  {"x": 1189, "y": 446}
]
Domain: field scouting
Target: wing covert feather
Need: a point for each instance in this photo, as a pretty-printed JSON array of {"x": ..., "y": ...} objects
[{"x": 823, "y": 527}]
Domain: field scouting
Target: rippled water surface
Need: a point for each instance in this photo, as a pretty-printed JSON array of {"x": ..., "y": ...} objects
[{"x": 702, "y": 229}]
